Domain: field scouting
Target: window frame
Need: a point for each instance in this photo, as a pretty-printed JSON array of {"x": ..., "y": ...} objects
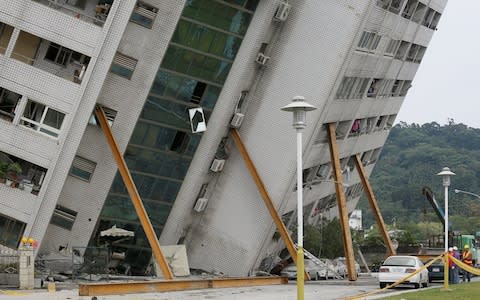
[
  {"x": 63, "y": 217},
  {"x": 60, "y": 49},
  {"x": 84, "y": 165},
  {"x": 144, "y": 10},
  {"x": 125, "y": 63},
  {"x": 40, "y": 126}
]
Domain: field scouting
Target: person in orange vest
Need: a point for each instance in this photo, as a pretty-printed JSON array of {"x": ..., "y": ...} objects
[{"x": 468, "y": 260}]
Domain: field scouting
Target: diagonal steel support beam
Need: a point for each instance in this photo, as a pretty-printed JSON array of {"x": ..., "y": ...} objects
[
  {"x": 373, "y": 204},
  {"x": 266, "y": 197},
  {"x": 134, "y": 195},
  {"x": 342, "y": 203}
]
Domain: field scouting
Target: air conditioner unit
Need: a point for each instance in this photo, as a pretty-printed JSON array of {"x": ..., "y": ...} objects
[
  {"x": 200, "y": 204},
  {"x": 262, "y": 59},
  {"x": 217, "y": 165},
  {"x": 282, "y": 11},
  {"x": 237, "y": 120}
]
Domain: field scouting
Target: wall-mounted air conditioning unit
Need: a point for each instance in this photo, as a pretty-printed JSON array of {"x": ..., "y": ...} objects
[
  {"x": 200, "y": 204},
  {"x": 217, "y": 165},
  {"x": 281, "y": 14},
  {"x": 262, "y": 59},
  {"x": 237, "y": 120}
]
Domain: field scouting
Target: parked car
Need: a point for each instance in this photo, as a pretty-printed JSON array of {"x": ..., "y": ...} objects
[
  {"x": 397, "y": 267},
  {"x": 314, "y": 270},
  {"x": 341, "y": 263},
  {"x": 435, "y": 270}
]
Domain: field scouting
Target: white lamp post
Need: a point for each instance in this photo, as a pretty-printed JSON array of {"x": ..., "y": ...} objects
[
  {"x": 446, "y": 173},
  {"x": 299, "y": 107}
]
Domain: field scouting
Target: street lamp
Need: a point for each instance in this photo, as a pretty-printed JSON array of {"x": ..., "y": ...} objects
[
  {"x": 468, "y": 193},
  {"x": 446, "y": 173},
  {"x": 299, "y": 107}
]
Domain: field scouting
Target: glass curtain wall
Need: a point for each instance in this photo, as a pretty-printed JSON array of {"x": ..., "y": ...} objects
[{"x": 192, "y": 73}]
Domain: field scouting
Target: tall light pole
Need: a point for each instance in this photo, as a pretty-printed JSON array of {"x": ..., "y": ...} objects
[
  {"x": 299, "y": 107},
  {"x": 446, "y": 173}
]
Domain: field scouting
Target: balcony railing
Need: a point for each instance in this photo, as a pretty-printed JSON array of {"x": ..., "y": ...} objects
[{"x": 92, "y": 11}]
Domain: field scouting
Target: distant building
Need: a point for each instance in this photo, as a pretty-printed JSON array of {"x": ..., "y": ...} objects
[{"x": 149, "y": 62}]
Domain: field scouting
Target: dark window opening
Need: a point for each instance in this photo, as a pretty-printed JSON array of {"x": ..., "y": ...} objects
[
  {"x": 198, "y": 92},
  {"x": 180, "y": 142}
]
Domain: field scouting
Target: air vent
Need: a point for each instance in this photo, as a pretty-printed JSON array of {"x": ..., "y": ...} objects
[
  {"x": 237, "y": 120},
  {"x": 201, "y": 204},
  {"x": 262, "y": 59},
  {"x": 281, "y": 14},
  {"x": 217, "y": 165}
]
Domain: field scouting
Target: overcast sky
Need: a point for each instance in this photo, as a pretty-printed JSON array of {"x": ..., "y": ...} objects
[{"x": 447, "y": 83}]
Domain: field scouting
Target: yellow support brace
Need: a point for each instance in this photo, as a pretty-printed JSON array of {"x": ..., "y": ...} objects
[
  {"x": 374, "y": 205},
  {"x": 342, "y": 203},
  {"x": 266, "y": 197},
  {"x": 134, "y": 195}
]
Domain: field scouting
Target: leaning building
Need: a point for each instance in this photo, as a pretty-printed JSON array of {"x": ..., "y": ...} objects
[{"x": 148, "y": 62}]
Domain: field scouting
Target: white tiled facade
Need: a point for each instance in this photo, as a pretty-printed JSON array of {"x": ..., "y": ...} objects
[{"x": 311, "y": 53}]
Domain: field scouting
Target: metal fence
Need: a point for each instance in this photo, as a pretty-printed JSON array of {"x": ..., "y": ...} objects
[{"x": 9, "y": 265}]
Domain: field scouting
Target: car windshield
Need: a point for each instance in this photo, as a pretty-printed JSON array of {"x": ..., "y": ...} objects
[{"x": 400, "y": 261}]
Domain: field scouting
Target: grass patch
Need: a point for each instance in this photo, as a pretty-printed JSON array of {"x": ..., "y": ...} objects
[{"x": 464, "y": 291}]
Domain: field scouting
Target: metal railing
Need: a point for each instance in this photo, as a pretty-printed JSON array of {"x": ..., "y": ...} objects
[{"x": 97, "y": 19}]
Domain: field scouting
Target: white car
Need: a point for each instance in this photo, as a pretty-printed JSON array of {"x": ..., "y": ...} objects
[
  {"x": 397, "y": 267},
  {"x": 315, "y": 271}
]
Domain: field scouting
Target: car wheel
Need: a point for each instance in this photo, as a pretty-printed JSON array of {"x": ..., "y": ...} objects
[
  {"x": 383, "y": 285},
  {"x": 416, "y": 285}
]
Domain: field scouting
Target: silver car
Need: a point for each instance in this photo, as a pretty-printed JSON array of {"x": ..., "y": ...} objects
[{"x": 314, "y": 270}]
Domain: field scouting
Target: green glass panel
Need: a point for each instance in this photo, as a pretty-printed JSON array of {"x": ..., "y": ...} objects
[
  {"x": 210, "y": 96},
  {"x": 160, "y": 83},
  {"x": 119, "y": 207},
  {"x": 139, "y": 133},
  {"x": 186, "y": 89},
  {"x": 174, "y": 83},
  {"x": 218, "y": 15},
  {"x": 166, "y": 112},
  {"x": 158, "y": 212}
]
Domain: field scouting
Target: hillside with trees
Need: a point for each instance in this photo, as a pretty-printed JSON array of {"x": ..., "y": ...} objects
[{"x": 410, "y": 160}]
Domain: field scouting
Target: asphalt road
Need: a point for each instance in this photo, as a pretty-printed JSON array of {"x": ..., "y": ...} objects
[{"x": 314, "y": 290}]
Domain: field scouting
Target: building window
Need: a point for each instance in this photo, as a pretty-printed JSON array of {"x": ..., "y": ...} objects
[
  {"x": 8, "y": 103},
  {"x": 409, "y": 9},
  {"x": 405, "y": 87},
  {"x": 392, "y": 47},
  {"x": 82, "y": 168},
  {"x": 63, "y": 217},
  {"x": 123, "y": 65},
  {"x": 5, "y": 34},
  {"x": 369, "y": 41},
  {"x": 11, "y": 231},
  {"x": 42, "y": 118},
  {"x": 58, "y": 54},
  {"x": 402, "y": 50},
  {"x": 144, "y": 14}
]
